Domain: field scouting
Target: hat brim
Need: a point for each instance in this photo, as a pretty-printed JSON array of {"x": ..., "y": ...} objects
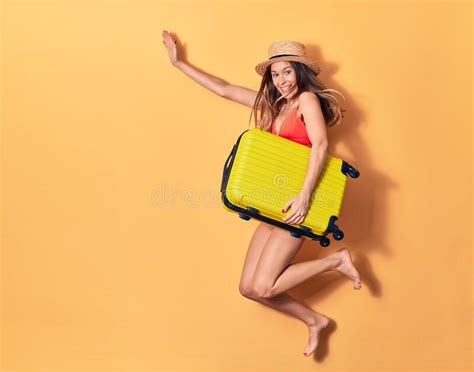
[{"x": 261, "y": 67}]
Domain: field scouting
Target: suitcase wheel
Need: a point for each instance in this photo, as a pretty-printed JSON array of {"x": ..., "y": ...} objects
[
  {"x": 295, "y": 234},
  {"x": 348, "y": 169},
  {"x": 338, "y": 235},
  {"x": 324, "y": 242},
  {"x": 354, "y": 173},
  {"x": 244, "y": 217}
]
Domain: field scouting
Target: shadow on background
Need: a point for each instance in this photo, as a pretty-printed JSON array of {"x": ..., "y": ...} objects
[{"x": 364, "y": 211}]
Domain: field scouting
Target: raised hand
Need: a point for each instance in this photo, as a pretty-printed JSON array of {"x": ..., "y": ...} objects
[{"x": 170, "y": 45}]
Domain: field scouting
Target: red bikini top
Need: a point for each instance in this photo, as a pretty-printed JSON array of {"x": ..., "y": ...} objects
[{"x": 293, "y": 128}]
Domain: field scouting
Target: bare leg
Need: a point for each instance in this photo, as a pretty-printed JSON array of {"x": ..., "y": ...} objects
[
  {"x": 287, "y": 304},
  {"x": 313, "y": 320},
  {"x": 274, "y": 276},
  {"x": 300, "y": 272},
  {"x": 283, "y": 302}
]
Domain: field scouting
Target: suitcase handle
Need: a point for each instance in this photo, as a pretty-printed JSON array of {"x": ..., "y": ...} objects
[{"x": 225, "y": 172}]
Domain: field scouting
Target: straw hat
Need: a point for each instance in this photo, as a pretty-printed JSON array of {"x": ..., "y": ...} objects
[{"x": 287, "y": 50}]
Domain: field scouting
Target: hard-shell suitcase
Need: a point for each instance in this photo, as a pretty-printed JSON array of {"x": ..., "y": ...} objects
[{"x": 263, "y": 171}]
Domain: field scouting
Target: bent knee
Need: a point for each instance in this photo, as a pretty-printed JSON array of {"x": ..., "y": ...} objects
[
  {"x": 247, "y": 290},
  {"x": 262, "y": 290},
  {"x": 255, "y": 292}
]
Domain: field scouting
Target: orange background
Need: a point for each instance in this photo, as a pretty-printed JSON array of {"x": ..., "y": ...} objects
[{"x": 116, "y": 251}]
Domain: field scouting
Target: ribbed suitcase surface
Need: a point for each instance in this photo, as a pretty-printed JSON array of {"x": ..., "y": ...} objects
[{"x": 264, "y": 171}]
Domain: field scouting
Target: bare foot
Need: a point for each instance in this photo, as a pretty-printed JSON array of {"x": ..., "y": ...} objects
[
  {"x": 346, "y": 267},
  {"x": 320, "y": 322}
]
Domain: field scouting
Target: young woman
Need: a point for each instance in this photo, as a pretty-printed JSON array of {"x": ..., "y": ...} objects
[{"x": 293, "y": 103}]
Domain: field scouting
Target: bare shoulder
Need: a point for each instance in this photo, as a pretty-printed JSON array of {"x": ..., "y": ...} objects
[
  {"x": 308, "y": 98},
  {"x": 307, "y": 101}
]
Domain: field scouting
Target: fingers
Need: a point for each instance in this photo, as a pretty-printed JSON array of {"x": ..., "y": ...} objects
[
  {"x": 168, "y": 38},
  {"x": 287, "y": 205},
  {"x": 298, "y": 212},
  {"x": 295, "y": 218},
  {"x": 300, "y": 220},
  {"x": 292, "y": 220}
]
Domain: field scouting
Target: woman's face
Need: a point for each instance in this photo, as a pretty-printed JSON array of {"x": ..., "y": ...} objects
[{"x": 284, "y": 78}]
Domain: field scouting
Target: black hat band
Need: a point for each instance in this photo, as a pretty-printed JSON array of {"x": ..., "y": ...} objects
[{"x": 284, "y": 55}]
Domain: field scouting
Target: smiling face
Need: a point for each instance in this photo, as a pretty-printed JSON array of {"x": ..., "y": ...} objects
[{"x": 284, "y": 78}]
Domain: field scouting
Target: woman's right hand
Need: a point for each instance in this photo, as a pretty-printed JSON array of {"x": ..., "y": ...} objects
[{"x": 170, "y": 45}]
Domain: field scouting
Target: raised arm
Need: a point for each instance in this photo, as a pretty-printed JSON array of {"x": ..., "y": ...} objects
[{"x": 218, "y": 86}]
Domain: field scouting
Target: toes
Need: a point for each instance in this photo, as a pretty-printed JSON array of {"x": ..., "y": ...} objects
[{"x": 308, "y": 353}]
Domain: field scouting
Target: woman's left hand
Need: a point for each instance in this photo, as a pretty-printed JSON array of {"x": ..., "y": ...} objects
[{"x": 299, "y": 208}]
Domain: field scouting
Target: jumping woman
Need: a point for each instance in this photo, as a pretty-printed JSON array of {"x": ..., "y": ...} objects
[{"x": 292, "y": 103}]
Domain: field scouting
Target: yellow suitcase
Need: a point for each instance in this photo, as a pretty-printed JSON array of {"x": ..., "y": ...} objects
[{"x": 263, "y": 171}]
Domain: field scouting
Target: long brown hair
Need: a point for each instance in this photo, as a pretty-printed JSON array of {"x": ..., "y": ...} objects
[{"x": 269, "y": 100}]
